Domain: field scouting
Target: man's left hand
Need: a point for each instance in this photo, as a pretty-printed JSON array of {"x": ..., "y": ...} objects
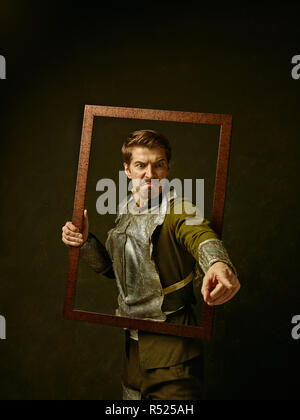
[{"x": 220, "y": 284}]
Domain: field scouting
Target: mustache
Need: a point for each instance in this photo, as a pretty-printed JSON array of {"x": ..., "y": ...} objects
[
  {"x": 140, "y": 184},
  {"x": 154, "y": 181}
]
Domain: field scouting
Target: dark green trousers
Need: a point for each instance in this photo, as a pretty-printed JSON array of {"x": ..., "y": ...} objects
[{"x": 183, "y": 381}]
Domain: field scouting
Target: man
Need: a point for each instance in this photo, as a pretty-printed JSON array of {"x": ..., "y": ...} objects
[{"x": 155, "y": 254}]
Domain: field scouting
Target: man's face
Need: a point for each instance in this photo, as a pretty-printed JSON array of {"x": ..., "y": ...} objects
[{"x": 146, "y": 165}]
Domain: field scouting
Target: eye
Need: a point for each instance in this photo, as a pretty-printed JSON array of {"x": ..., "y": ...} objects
[
  {"x": 139, "y": 165},
  {"x": 160, "y": 164}
]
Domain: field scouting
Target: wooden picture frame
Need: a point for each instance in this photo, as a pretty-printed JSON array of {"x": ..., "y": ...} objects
[{"x": 91, "y": 111}]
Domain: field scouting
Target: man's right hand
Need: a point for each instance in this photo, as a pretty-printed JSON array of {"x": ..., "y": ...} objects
[{"x": 71, "y": 235}]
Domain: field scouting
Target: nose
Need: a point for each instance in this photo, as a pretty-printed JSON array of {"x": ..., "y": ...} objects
[{"x": 149, "y": 172}]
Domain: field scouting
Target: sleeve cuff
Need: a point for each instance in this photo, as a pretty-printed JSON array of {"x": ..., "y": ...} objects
[{"x": 211, "y": 251}]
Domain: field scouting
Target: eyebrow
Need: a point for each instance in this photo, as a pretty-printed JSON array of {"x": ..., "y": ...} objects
[{"x": 158, "y": 160}]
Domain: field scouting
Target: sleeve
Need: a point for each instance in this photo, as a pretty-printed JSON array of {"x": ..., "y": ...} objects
[
  {"x": 95, "y": 255},
  {"x": 189, "y": 226},
  {"x": 194, "y": 233}
]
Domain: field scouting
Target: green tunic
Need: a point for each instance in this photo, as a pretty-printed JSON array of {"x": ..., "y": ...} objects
[{"x": 175, "y": 251}]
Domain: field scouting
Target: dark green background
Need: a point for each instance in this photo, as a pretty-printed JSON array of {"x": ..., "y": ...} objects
[{"x": 177, "y": 56}]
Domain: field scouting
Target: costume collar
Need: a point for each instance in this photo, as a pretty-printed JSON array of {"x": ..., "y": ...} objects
[{"x": 128, "y": 205}]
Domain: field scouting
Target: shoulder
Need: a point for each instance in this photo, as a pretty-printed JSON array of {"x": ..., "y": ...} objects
[
  {"x": 182, "y": 209},
  {"x": 183, "y": 206}
]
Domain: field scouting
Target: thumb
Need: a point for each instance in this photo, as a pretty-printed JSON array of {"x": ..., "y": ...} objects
[
  {"x": 225, "y": 281},
  {"x": 85, "y": 219},
  {"x": 85, "y": 227}
]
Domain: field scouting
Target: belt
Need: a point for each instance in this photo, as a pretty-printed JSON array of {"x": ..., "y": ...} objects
[{"x": 179, "y": 284}]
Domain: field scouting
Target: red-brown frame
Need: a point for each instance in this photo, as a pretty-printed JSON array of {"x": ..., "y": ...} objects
[{"x": 91, "y": 111}]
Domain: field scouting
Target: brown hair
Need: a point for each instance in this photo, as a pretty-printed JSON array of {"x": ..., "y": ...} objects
[{"x": 145, "y": 138}]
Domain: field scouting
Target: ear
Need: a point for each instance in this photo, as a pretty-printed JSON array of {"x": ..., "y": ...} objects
[{"x": 127, "y": 170}]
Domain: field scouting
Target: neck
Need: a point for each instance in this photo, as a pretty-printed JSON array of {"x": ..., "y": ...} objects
[{"x": 148, "y": 203}]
